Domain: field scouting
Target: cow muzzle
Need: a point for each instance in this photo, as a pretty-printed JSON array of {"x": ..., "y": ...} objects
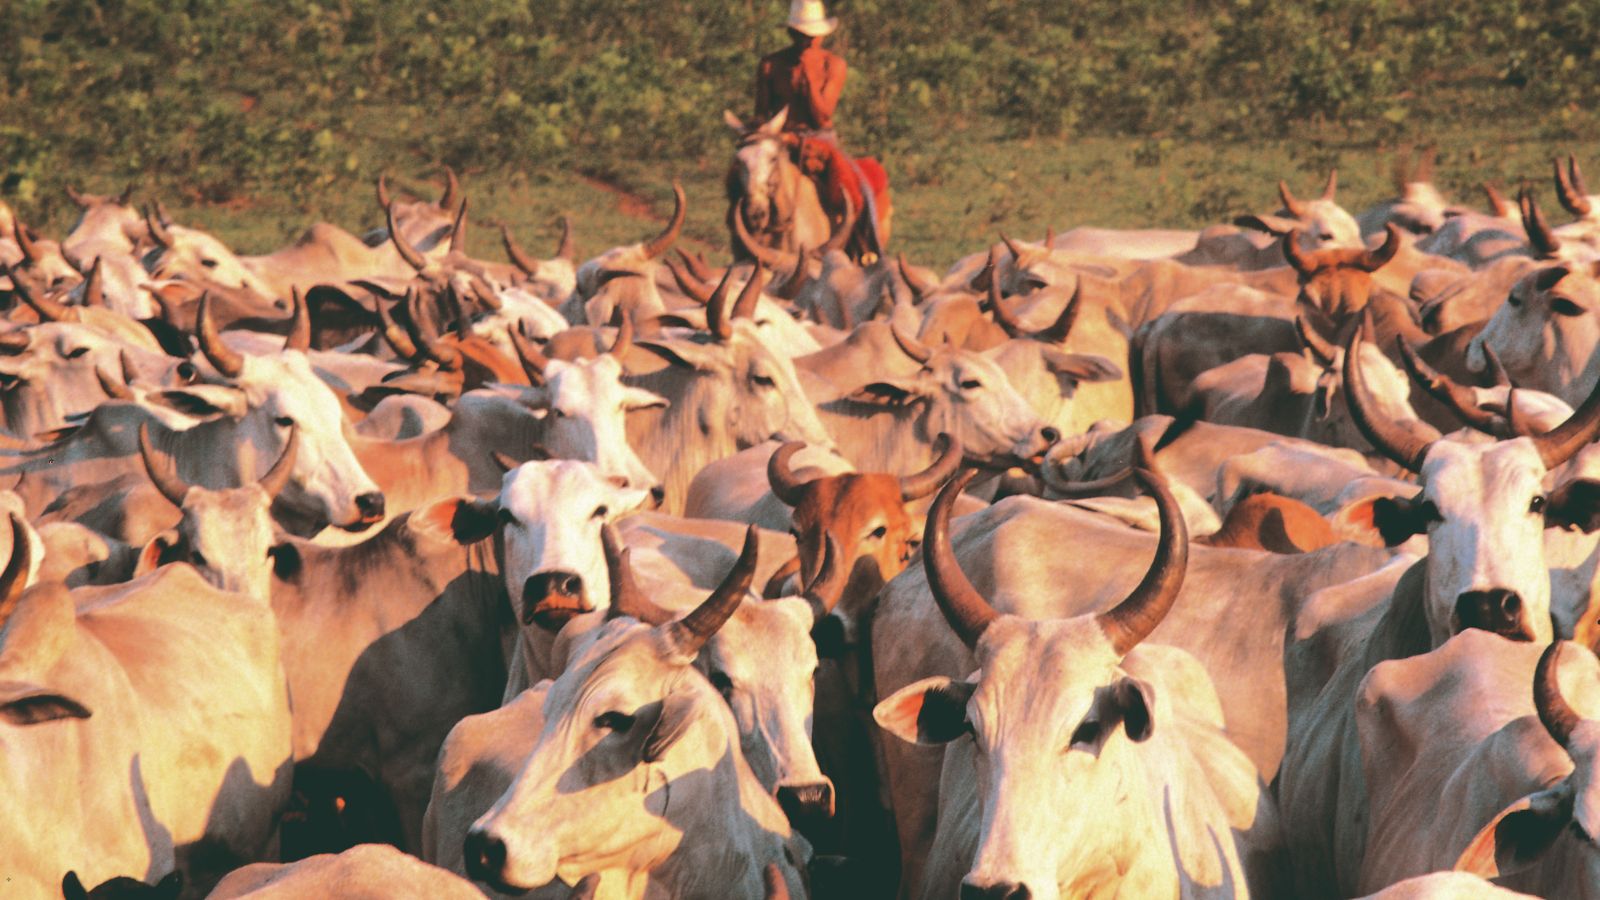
[
  {"x": 1498, "y": 611},
  {"x": 485, "y": 856},
  {"x": 552, "y": 599},
  {"x": 809, "y": 802},
  {"x": 1004, "y": 890},
  {"x": 370, "y": 506}
]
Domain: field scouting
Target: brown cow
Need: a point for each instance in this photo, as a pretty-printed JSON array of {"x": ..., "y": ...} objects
[{"x": 1273, "y": 523}]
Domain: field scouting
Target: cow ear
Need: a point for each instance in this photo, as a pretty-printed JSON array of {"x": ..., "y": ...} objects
[
  {"x": 23, "y": 703},
  {"x": 1575, "y": 504},
  {"x": 828, "y": 635},
  {"x": 1397, "y": 520},
  {"x": 1520, "y": 834},
  {"x": 72, "y": 888},
  {"x": 169, "y": 887},
  {"x": 680, "y": 353},
  {"x": 204, "y": 400},
  {"x": 677, "y": 712},
  {"x": 930, "y": 712},
  {"x": 1133, "y": 700},
  {"x": 887, "y": 393},
  {"x": 160, "y": 551},
  {"x": 1081, "y": 366},
  {"x": 463, "y": 520},
  {"x": 1276, "y": 226},
  {"x": 286, "y": 561},
  {"x": 634, "y": 399}
]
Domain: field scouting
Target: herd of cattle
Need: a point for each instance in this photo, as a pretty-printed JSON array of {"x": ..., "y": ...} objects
[{"x": 1260, "y": 560}]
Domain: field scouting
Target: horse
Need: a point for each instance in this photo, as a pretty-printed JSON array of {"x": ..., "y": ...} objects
[{"x": 777, "y": 203}]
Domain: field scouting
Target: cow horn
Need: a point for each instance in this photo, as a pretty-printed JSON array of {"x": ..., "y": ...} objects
[
  {"x": 161, "y": 468},
  {"x": 1569, "y": 187},
  {"x": 273, "y": 482},
  {"x": 785, "y": 484},
  {"x": 1049, "y": 237},
  {"x": 1323, "y": 349},
  {"x": 661, "y": 242},
  {"x": 690, "y": 633},
  {"x": 30, "y": 250},
  {"x": 1303, "y": 262},
  {"x": 753, "y": 248},
  {"x": 49, "y": 308},
  {"x": 717, "y": 321},
  {"x": 624, "y": 339},
  {"x": 129, "y": 375},
  {"x": 697, "y": 265},
  {"x": 911, "y": 346},
  {"x": 920, "y": 289},
  {"x": 14, "y": 580},
  {"x": 515, "y": 253},
  {"x": 1404, "y": 446},
  {"x": 394, "y": 334},
  {"x": 1496, "y": 369},
  {"x": 77, "y": 198},
  {"x": 841, "y": 235},
  {"x": 1375, "y": 259},
  {"x": 158, "y": 229},
  {"x": 114, "y": 389},
  {"x": 799, "y": 277},
  {"x": 946, "y": 459},
  {"x": 982, "y": 280},
  {"x": 484, "y": 293},
  {"x": 1562, "y": 442},
  {"x": 963, "y": 607},
  {"x": 824, "y": 591},
  {"x": 1007, "y": 322},
  {"x": 299, "y": 337},
  {"x": 1332, "y": 187},
  {"x": 1132, "y": 620},
  {"x": 691, "y": 288},
  {"x": 383, "y": 189},
  {"x": 1294, "y": 206},
  {"x": 1061, "y": 328},
  {"x": 1499, "y": 206},
  {"x": 1543, "y": 240},
  {"x": 533, "y": 361},
  {"x": 452, "y": 188},
  {"x": 94, "y": 286},
  {"x": 745, "y": 306},
  {"x": 224, "y": 359},
  {"x": 627, "y": 598},
  {"x": 427, "y": 344},
  {"x": 567, "y": 249},
  {"x": 407, "y": 252},
  {"x": 1016, "y": 252},
  {"x": 126, "y": 195},
  {"x": 1557, "y": 716},
  {"x": 1446, "y": 390},
  {"x": 458, "y": 230}
]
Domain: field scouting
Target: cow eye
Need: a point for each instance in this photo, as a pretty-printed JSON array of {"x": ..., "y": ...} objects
[
  {"x": 763, "y": 380},
  {"x": 1538, "y": 504},
  {"x": 283, "y": 421},
  {"x": 555, "y": 412},
  {"x": 1513, "y": 300},
  {"x": 971, "y": 384},
  {"x": 722, "y": 683},
  {"x": 601, "y": 511},
  {"x": 1562, "y": 306},
  {"x": 1087, "y": 733},
  {"x": 209, "y": 263},
  {"x": 76, "y": 352},
  {"x": 880, "y": 532},
  {"x": 614, "y": 721},
  {"x": 197, "y": 559}
]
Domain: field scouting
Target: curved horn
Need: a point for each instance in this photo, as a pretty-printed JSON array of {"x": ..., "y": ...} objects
[
  {"x": 981, "y": 281},
  {"x": 824, "y": 591},
  {"x": 1016, "y": 252},
  {"x": 1561, "y": 443},
  {"x": 964, "y": 608},
  {"x": 745, "y": 306},
  {"x": 30, "y": 250},
  {"x": 624, "y": 339},
  {"x": 717, "y": 320},
  {"x": 383, "y": 189},
  {"x": 1496, "y": 369},
  {"x": 567, "y": 249},
  {"x": 1132, "y": 620},
  {"x": 114, "y": 389},
  {"x": 661, "y": 242},
  {"x": 299, "y": 337},
  {"x": 785, "y": 484},
  {"x": 1061, "y": 328},
  {"x": 1540, "y": 237},
  {"x": 1323, "y": 349},
  {"x": 161, "y": 468},
  {"x": 1499, "y": 206},
  {"x": 94, "y": 286},
  {"x": 1404, "y": 446},
  {"x": 840, "y": 237},
  {"x": 773, "y": 259},
  {"x": 1332, "y": 187},
  {"x": 1457, "y": 397},
  {"x": 946, "y": 459},
  {"x": 910, "y": 345},
  {"x": 691, "y": 632},
  {"x": 1002, "y": 317},
  {"x": 458, "y": 230},
  {"x": 696, "y": 265},
  {"x": 799, "y": 277},
  {"x": 1303, "y": 262},
  {"x": 48, "y": 308},
  {"x": 1049, "y": 237},
  {"x": 407, "y": 252},
  {"x": 278, "y": 476},
  {"x": 533, "y": 361},
  {"x": 158, "y": 229},
  {"x": 427, "y": 344},
  {"x": 1557, "y": 716},
  {"x": 452, "y": 189},
  {"x": 1375, "y": 259},
  {"x": 14, "y": 580},
  {"x": 1294, "y": 206},
  {"x": 224, "y": 359},
  {"x": 394, "y": 334},
  {"x": 524, "y": 263},
  {"x": 627, "y": 598},
  {"x": 1569, "y": 188},
  {"x": 695, "y": 290},
  {"x": 920, "y": 288}
]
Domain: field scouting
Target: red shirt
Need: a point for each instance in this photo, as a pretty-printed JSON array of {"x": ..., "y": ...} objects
[{"x": 807, "y": 82}]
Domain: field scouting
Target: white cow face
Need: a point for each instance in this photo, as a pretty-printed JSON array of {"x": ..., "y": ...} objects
[
  {"x": 54, "y": 376},
  {"x": 227, "y": 536},
  {"x": 196, "y": 256},
  {"x": 587, "y": 405},
  {"x": 629, "y": 715},
  {"x": 550, "y": 514},
  {"x": 1547, "y": 332},
  {"x": 756, "y": 165}
]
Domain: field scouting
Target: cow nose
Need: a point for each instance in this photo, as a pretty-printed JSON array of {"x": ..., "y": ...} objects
[
  {"x": 658, "y": 494},
  {"x": 1496, "y": 610},
  {"x": 1050, "y": 434},
  {"x": 806, "y": 801},
  {"x": 370, "y": 505},
  {"x": 485, "y": 856},
  {"x": 551, "y": 599},
  {"x": 1004, "y": 890}
]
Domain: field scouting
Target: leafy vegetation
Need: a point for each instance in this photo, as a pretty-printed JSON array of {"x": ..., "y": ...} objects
[{"x": 255, "y": 119}]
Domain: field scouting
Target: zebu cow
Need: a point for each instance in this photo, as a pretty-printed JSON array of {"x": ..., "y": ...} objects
[
  {"x": 52, "y": 372},
  {"x": 1321, "y": 221},
  {"x": 1446, "y": 886},
  {"x": 641, "y": 259},
  {"x": 778, "y": 202},
  {"x": 107, "y": 224},
  {"x": 147, "y": 725},
  {"x": 1467, "y": 767},
  {"x": 1484, "y": 508},
  {"x": 1546, "y": 334},
  {"x": 777, "y": 326},
  {"x": 627, "y": 766},
  {"x": 1165, "y": 804},
  {"x": 1070, "y": 390},
  {"x": 367, "y": 872},
  {"x": 551, "y": 280},
  {"x": 253, "y": 404}
]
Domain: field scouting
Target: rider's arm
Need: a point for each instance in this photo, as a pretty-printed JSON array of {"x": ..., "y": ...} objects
[
  {"x": 764, "y": 108},
  {"x": 823, "y": 92}
]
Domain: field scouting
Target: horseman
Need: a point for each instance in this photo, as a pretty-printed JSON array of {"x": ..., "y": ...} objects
[{"x": 803, "y": 83}]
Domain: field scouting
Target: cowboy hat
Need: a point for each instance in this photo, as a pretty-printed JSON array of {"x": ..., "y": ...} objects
[{"x": 810, "y": 17}]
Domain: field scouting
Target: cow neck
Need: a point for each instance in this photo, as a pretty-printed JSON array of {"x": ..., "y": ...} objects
[{"x": 38, "y": 633}]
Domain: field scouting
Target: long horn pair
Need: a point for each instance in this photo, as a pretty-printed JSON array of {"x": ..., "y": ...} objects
[
  {"x": 1570, "y": 189},
  {"x": 947, "y": 455},
  {"x": 690, "y": 633},
  {"x": 664, "y": 241},
  {"x": 1540, "y": 236},
  {"x": 427, "y": 344},
  {"x": 772, "y": 259},
  {"x": 410, "y": 254},
  {"x": 689, "y": 283}
]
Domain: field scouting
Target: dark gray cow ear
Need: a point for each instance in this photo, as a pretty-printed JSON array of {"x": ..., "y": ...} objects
[
  {"x": 1398, "y": 520},
  {"x": 286, "y": 561},
  {"x": 1133, "y": 701},
  {"x": 72, "y": 888},
  {"x": 1575, "y": 504},
  {"x": 929, "y": 712}
]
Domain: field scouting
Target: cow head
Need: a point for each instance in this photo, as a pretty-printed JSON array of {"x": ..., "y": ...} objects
[
  {"x": 192, "y": 255},
  {"x": 966, "y": 395},
  {"x": 551, "y": 513},
  {"x": 758, "y": 162},
  {"x": 42, "y": 261},
  {"x": 1065, "y": 741},
  {"x": 1322, "y": 222},
  {"x": 1521, "y": 834},
  {"x": 628, "y": 727},
  {"x": 1338, "y": 281},
  {"x": 55, "y": 369},
  {"x": 1484, "y": 508},
  {"x": 865, "y": 513},
  {"x": 226, "y": 534},
  {"x": 105, "y": 223},
  {"x": 640, "y": 258},
  {"x": 1547, "y": 332}
]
